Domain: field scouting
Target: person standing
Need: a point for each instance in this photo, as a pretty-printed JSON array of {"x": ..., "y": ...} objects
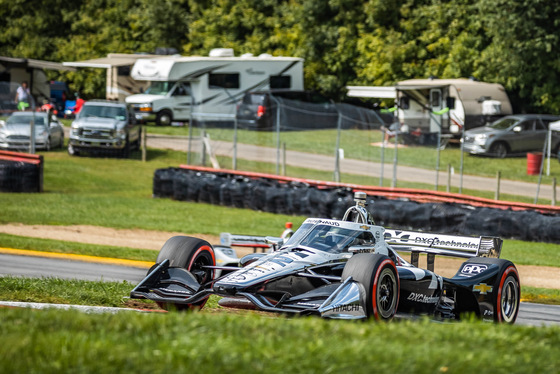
[{"x": 23, "y": 96}]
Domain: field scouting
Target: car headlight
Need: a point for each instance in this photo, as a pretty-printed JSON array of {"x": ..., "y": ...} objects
[{"x": 121, "y": 133}]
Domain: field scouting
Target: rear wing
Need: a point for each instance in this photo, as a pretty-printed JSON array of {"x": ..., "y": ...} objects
[
  {"x": 442, "y": 245},
  {"x": 250, "y": 241}
]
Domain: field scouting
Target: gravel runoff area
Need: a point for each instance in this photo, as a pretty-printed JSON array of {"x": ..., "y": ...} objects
[{"x": 535, "y": 276}]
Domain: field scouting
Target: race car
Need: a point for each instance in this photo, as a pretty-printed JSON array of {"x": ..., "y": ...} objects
[{"x": 342, "y": 269}]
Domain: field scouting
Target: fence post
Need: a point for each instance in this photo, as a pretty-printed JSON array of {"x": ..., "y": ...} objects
[
  {"x": 337, "y": 150},
  {"x": 553, "y": 202},
  {"x": 498, "y": 177},
  {"x": 284, "y": 158},
  {"x": 143, "y": 142},
  {"x": 235, "y": 143},
  {"x": 395, "y": 158},
  {"x": 448, "y": 189},
  {"x": 203, "y": 155}
]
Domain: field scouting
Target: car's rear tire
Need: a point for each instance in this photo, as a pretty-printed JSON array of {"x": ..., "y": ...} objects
[
  {"x": 191, "y": 254},
  {"x": 164, "y": 118},
  {"x": 378, "y": 275},
  {"x": 506, "y": 300},
  {"x": 505, "y": 290},
  {"x": 499, "y": 150}
]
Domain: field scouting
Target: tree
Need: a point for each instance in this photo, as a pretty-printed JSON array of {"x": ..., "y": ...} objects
[{"x": 523, "y": 54}]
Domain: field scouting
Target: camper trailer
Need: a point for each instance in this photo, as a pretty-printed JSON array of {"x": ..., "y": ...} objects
[
  {"x": 422, "y": 103},
  {"x": 119, "y": 82},
  {"x": 14, "y": 71},
  {"x": 207, "y": 88}
]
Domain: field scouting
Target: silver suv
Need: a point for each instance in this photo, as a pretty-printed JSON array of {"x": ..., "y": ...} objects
[
  {"x": 515, "y": 134},
  {"x": 104, "y": 126}
]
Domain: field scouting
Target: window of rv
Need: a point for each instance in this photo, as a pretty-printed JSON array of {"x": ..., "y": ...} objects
[
  {"x": 159, "y": 88},
  {"x": 280, "y": 81},
  {"x": 223, "y": 80}
]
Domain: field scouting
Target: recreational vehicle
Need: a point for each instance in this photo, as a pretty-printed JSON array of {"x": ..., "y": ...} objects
[
  {"x": 207, "y": 88},
  {"x": 119, "y": 82},
  {"x": 449, "y": 104},
  {"x": 14, "y": 71}
]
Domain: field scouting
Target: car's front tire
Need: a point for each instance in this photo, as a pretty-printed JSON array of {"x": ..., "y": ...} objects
[
  {"x": 499, "y": 150},
  {"x": 192, "y": 254},
  {"x": 378, "y": 275}
]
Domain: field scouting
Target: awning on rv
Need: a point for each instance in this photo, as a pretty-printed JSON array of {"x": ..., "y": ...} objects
[
  {"x": 378, "y": 92},
  {"x": 112, "y": 60},
  {"x": 31, "y": 63}
]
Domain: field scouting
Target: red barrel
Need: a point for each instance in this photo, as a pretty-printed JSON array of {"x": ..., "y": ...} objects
[{"x": 534, "y": 161}]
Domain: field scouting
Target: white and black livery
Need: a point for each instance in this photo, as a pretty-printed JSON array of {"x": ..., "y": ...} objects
[{"x": 342, "y": 269}]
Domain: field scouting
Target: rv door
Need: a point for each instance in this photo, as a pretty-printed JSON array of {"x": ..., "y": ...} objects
[
  {"x": 436, "y": 104},
  {"x": 180, "y": 96}
]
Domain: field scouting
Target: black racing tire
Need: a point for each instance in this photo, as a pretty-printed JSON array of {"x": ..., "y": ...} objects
[
  {"x": 379, "y": 277},
  {"x": 506, "y": 299},
  {"x": 499, "y": 150},
  {"x": 164, "y": 118},
  {"x": 191, "y": 254}
]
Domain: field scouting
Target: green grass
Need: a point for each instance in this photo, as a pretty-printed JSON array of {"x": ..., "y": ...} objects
[
  {"x": 61, "y": 246},
  {"x": 70, "y": 341}
]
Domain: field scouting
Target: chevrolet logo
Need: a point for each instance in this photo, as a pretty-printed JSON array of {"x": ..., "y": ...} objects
[
  {"x": 483, "y": 288},
  {"x": 364, "y": 227}
]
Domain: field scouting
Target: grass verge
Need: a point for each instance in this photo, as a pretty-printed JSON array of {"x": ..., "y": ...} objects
[{"x": 70, "y": 341}]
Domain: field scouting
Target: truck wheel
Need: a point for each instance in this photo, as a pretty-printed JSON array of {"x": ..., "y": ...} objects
[
  {"x": 125, "y": 152},
  {"x": 378, "y": 275},
  {"x": 192, "y": 254},
  {"x": 164, "y": 118}
]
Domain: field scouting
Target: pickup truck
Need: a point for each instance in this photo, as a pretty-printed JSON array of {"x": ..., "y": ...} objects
[{"x": 104, "y": 127}]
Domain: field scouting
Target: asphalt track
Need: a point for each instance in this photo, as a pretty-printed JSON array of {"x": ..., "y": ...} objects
[{"x": 43, "y": 264}]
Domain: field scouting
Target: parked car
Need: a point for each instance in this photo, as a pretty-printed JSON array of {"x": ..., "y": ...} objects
[
  {"x": 309, "y": 110},
  {"x": 510, "y": 135},
  {"x": 15, "y": 132},
  {"x": 104, "y": 126}
]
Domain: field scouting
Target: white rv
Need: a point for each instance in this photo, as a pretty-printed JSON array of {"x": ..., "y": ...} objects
[
  {"x": 207, "y": 88},
  {"x": 422, "y": 103}
]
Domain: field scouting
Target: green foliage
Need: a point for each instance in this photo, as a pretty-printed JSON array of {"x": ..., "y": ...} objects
[{"x": 358, "y": 42}]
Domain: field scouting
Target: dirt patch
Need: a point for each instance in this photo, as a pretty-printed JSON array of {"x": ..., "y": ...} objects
[{"x": 535, "y": 276}]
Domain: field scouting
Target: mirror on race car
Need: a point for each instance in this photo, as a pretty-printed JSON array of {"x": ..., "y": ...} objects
[{"x": 276, "y": 242}]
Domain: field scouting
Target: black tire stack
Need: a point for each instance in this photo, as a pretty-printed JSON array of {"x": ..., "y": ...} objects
[
  {"x": 17, "y": 176},
  {"x": 299, "y": 198}
]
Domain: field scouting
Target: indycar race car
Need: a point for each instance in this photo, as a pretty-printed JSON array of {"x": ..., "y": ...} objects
[{"x": 342, "y": 269}]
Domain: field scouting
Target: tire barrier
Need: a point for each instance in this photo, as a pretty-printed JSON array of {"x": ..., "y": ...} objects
[
  {"x": 327, "y": 200},
  {"x": 20, "y": 172}
]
